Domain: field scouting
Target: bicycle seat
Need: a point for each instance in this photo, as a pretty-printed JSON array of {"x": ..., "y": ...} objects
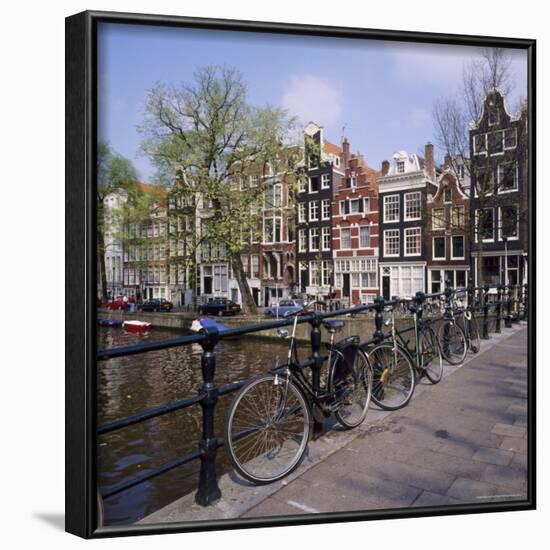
[{"x": 333, "y": 326}]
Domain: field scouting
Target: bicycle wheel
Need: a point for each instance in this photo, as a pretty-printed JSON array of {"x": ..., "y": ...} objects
[
  {"x": 452, "y": 342},
  {"x": 393, "y": 376},
  {"x": 352, "y": 386},
  {"x": 267, "y": 429},
  {"x": 473, "y": 333},
  {"x": 430, "y": 355}
]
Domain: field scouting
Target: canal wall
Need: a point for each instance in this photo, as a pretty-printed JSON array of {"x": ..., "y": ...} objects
[{"x": 362, "y": 325}]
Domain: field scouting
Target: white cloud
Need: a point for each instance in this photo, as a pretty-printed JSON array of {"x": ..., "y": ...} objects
[{"x": 311, "y": 98}]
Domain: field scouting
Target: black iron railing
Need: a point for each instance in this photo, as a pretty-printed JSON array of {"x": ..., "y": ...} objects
[{"x": 510, "y": 298}]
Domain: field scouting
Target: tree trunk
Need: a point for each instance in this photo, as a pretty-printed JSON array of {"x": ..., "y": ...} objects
[
  {"x": 249, "y": 305},
  {"x": 101, "y": 264}
]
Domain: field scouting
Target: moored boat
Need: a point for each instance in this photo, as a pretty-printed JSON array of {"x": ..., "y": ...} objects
[
  {"x": 137, "y": 326},
  {"x": 199, "y": 324},
  {"x": 109, "y": 322}
]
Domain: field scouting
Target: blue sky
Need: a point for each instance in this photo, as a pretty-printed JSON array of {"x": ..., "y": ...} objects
[{"x": 381, "y": 92}]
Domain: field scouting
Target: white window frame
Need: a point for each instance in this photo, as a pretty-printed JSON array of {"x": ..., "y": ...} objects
[
  {"x": 325, "y": 205},
  {"x": 311, "y": 235},
  {"x": 397, "y": 233},
  {"x": 366, "y": 205},
  {"x": 309, "y": 185},
  {"x": 356, "y": 202},
  {"x": 400, "y": 167},
  {"x": 353, "y": 181},
  {"x": 453, "y": 257},
  {"x": 302, "y": 186},
  {"x": 302, "y": 240},
  {"x": 301, "y": 212},
  {"x": 313, "y": 211},
  {"x": 515, "y": 130},
  {"x": 462, "y": 215},
  {"x": 406, "y": 197},
  {"x": 325, "y": 233},
  {"x": 434, "y": 257},
  {"x": 499, "y": 224},
  {"x": 342, "y": 247},
  {"x": 514, "y": 189},
  {"x": 498, "y": 153},
  {"x": 367, "y": 227},
  {"x": 405, "y": 232},
  {"x": 434, "y": 218},
  {"x": 325, "y": 181},
  {"x": 386, "y": 203},
  {"x": 476, "y": 152},
  {"x": 477, "y": 228}
]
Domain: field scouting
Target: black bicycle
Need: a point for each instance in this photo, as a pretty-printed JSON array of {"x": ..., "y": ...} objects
[
  {"x": 397, "y": 367},
  {"x": 452, "y": 339},
  {"x": 268, "y": 424}
]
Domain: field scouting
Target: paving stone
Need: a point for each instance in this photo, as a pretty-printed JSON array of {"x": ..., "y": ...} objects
[
  {"x": 493, "y": 456},
  {"x": 270, "y": 508},
  {"x": 469, "y": 490},
  {"x": 432, "y": 499},
  {"x": 518, "y": 445},
  {"x": 509, "y": 430},
  {"x": 513, "y": 477}
]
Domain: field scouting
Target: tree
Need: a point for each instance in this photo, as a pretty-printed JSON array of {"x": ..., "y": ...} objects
[
  {"x": 453, "y": 117},
  {"x": 204, "y": 134},
  {"x": 115, "y": 174}
]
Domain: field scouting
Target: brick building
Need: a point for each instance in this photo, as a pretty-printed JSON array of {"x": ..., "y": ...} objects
[
  {"x": 448, "y": 232},
  {"x": 355, "y": 237}
]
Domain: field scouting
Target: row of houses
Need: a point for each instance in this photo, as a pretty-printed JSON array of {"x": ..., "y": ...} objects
[{"x": 348, "y": 232}]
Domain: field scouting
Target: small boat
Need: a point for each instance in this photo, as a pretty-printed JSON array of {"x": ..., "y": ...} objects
[
  {"x": 137, "y": 326},
  {"x": 109, "y": 322},
  {"x": 199, "y": 324}
]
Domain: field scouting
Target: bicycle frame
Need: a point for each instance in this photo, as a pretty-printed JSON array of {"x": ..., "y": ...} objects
[{"x": 292, "y": 371}]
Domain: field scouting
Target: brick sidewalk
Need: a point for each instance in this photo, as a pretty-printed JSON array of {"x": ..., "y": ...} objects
[{"x": 463, "y": 440}]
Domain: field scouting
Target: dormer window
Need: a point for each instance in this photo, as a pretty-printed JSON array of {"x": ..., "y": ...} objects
[
  {"x": 336, "y": 161},
  {"x": 353, "y": 181},
  {"x": 400, "y": 167},
  {"x": 447, "y": 195}
]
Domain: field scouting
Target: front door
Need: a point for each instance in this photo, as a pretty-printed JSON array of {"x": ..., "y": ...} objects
[
  {"x": 235, "y": 295},
  {"x": 386, "y": 286},
  {"x": 346, "y": 285}
]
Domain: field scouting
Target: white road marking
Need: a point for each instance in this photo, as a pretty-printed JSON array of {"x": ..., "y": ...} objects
[{"x": 303, "y": 507}]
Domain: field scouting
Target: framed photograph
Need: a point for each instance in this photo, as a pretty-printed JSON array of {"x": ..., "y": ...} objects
[{"x": 300, "y": 280}]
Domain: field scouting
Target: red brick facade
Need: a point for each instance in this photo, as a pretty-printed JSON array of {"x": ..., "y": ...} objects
[{"x": 355, "y": 231}]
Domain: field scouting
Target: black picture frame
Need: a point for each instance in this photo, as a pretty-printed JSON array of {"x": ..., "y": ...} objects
[{"x": 81, "y": 134}]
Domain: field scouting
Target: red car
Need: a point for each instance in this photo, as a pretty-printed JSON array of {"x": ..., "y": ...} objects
[{"x": 120, "y": 303}]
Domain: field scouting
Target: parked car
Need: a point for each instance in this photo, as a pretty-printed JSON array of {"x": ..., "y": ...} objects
[
  {"x": 285, "y": 308},
  {"x": 157, "y": 304},
  {"x": 120, "y": 302},
  {"x": 219, "y": 306}
]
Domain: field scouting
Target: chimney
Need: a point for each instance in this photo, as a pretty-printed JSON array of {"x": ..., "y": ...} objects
[
  {"x": 448, "y": 161},
  {"x": 345, "y": 153},
  {"x": 429, "y": 157},
  {"x": 385, "y": 167}
]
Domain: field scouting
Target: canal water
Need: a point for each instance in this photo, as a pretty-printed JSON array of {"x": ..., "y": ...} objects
[{"x": 130, "y": 384}]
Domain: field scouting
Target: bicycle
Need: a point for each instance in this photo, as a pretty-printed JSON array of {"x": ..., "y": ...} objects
[
  {"x": 268, "y": 424},
  {"x": 452, "y": 339},
  {"x": 397, "y": 367},
  {"x": 468, "y": 323}
]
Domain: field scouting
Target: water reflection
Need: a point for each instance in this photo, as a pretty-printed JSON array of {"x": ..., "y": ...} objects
[{"x": 130, "y": 384}]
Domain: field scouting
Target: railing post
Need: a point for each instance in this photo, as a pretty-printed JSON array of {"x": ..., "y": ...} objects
[
  {"x": 508, "y": 323},
  {"x": 378, "y": 319},
  {"x": 419, "y": 298},
  {"x": 448, "y": 294},
  {"x": 525, "y": 301},
  {"x": 499, "y": 309},
  {"x": 515, "y": 317},
  {"x": 471, "y": 297},
  {"x": 316, "y": 367},
  {"x": 486, "y": 312},
  {"x": 208, "y": 490}
]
